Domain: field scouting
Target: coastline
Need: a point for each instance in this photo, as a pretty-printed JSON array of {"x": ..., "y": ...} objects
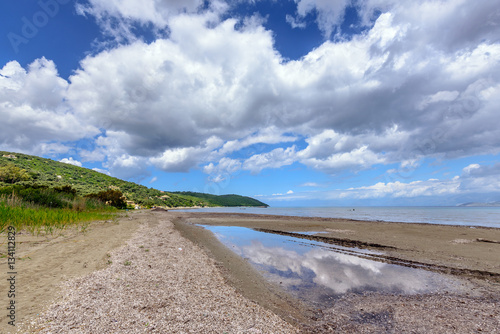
[
  {"x": 157, "y": 281},
  {"x": 460, "y": 250},
  {"x": 250, "y": 303},
  {"x": 449, "y": 245},
  {"x": 436, "y": 215},
  {"x": 243, "y": 277}
]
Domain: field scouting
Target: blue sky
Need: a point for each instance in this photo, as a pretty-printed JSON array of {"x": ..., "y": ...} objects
[{"x": 293, "y": 102}]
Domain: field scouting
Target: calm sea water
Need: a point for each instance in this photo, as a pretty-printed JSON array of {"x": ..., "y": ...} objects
[{"x": 471, "y": 216}]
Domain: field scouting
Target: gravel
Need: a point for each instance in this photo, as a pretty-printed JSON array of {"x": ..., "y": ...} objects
[
  {"x": 158, "y": 283},
  {"x": 432, "y": 313}
]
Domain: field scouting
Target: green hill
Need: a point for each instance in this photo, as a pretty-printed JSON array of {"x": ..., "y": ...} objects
[
  {"x": 224, "y": 200},
  {"x": 27, "y": 170}
]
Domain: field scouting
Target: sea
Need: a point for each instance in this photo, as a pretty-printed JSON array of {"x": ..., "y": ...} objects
[{"x": 452, "y": 215}]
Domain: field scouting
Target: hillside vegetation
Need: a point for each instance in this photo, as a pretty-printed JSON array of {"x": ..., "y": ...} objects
[
  {"x": 224, "y": 200},
  {"x": 21, "y": 171}
]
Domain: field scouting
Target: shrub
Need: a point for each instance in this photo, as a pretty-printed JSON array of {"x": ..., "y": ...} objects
[
  {"x": 44, "y": 197},
  {"x": 66, "y": 190},
  {"x": 13, "y": 174},
  {"x": 112, "y": 197}
]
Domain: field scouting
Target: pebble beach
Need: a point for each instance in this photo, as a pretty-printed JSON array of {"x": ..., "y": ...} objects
[{"x": 164, "y": 274}]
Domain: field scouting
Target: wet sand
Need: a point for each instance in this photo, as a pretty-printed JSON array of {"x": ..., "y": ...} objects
[
  {"x": 148, "y": 279},
  {"x": 458, "y": 247},
  {"x": 57, "y": 280},
  {"x": 241, "y": 275},
  {"x": 464, "y": 253}
]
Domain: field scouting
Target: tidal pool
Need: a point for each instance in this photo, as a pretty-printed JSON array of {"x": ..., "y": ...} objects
[{"x": 318, "y": 272}]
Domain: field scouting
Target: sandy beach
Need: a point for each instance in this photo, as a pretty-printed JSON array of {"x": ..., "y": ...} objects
[
  {"x": 155, "y": 281},
  {"x": 158, "y": 272}
]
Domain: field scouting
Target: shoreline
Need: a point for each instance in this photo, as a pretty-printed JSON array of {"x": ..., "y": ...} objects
[
  {"x": 449, "y": 245},
  {"x": 150, "y": 241},
  {"x": 155, "y": 280},
  {"x": 300, "y": 213},
  {"x": 245, "y": 278},
  {"x": 452, "y": 250}
]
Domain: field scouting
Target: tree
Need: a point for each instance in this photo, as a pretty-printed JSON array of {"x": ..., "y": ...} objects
[
  {"x": 112, "y": 197},
  {"x": 13, "y": 174}
]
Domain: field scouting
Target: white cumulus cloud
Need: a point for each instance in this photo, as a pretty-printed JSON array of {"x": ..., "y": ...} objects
[
  {"x": 71, "y": 161},
  {"x": 34, "y": 117},
  {"x": 421, "y": 81}
]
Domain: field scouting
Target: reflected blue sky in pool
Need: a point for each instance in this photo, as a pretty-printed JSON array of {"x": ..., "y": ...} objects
[{"x": 319, "y": 272}]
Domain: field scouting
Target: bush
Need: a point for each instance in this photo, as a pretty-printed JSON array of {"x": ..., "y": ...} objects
[
  {"x": 112, "y": 197},
  {"x": 62, "y": 197},
  {"x": 13, "y": 174},
  {"x": 43, "y": 197},
  {"x": 66, "y": 190}
]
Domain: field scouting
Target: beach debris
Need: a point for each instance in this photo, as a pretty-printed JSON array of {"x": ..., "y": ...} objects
[
  {"x": 486, "y": 240},
  {"x": 159, "y": 209},
  {"x": 332, "y": 230},
  {"x": 462, "y": 241}
]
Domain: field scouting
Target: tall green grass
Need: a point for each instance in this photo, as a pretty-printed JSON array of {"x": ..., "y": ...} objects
[{"x": 38, "y": 219}]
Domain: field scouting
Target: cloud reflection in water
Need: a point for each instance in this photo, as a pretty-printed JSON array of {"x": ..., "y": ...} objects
[
  {"x": 300, "y": 265},
  {"x": 339, "y": 272}
]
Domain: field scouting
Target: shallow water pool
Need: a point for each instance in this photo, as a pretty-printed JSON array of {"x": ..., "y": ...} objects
[{"x": 318, "y": 272}]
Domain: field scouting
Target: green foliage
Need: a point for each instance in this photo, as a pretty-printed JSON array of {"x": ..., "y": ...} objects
[
  {"x": 225, "y": 200},
  {"x": 40, "y": 172},
  {"x": 14, "y": 212},
  {"x": 41, "y": 195},
  {"x": 112, "y": 197},
  {"x": 12, "y": 174},
  {"x": 66, "y": 190}
]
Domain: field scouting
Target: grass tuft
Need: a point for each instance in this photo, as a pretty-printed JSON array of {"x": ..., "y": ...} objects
[{"x": 38, "y": 219}]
